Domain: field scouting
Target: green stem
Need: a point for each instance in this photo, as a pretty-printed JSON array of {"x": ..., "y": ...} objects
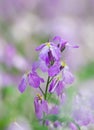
[
  {"x": 45, "y": 95},
  {"x": 41, "y": 91},
  {"x": 51, "y": 79}
]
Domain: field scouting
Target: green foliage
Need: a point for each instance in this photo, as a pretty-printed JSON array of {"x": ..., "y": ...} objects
[
  {"x": 86, "y": 72},
  {"x": 37, "y": 126},
  {"x": 15, "y": 105},
  {"x": 52, "y": 98}
]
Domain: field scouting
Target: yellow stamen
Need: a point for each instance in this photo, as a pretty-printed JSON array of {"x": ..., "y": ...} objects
[
  {"x": 48, "y": 44},
  {"x": 63, "y": 63},
  {"x": 39, "y": 96},
  {"x": 27, "y": 72},
  {"x": 59, "y": 77}
]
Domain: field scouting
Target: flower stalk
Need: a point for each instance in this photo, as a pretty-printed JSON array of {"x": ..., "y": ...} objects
[{"x": 59, "y": 76}]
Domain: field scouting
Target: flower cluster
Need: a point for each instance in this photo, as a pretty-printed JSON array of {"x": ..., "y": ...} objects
[{"x": 59, "y": 76}]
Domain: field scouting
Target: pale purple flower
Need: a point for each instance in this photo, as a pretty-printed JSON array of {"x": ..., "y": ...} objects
[
  {"x": 72, "y": 126},
  {"x": 41, "y": 106},
  {"x": 54, "y": 110},
  {"x": 82, "y": 116},
  {"x": 82, "y": 113},
  {"x": 54, "y": 69},
  {"x": 47, "y": 122},
  {"x": 57, "y": 124},
  {"x": 61, "y": 70},
  {"x": 49, "y": 53},
  {"x": 68, "y": 77},
  {"x": 62, "y": 44},
  {"x": 30, "y": 78},
  {"x": 34, "y": 80},
  {"x": 23, "y": 84},
  {"x": 63, "y": 77},
  {"x": 56, "y": 86},
  {"x": 39, "y": 64}
]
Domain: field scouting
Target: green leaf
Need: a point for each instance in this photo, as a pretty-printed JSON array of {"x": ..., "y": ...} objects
[{"x": 86, "y": 72}]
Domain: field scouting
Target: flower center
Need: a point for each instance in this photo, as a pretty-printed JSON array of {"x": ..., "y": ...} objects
[
  {"x": 48, "y": 44},
  {"x": 59, "y": 77},
  {"x": 39, "y": 96},
  {"x": 63, "y": 64}
]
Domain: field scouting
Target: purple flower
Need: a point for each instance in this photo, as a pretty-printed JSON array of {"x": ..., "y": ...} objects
[
  {"x": 47, "y": 122},
  {"x": 54, "y": 110},
  {"x": 68, "y": 77},
  {"x": 41, "y": 106},
  {"x": 54, "y": 70},
  {"x": 57, "y": 124},
  {"x": 49, "y": 53},
  {"x": 56, "y": 86},
  {"x": 39, "y": 64},
  {"x": 83, "y": 116},
  {"x": 34, "y": 80},
  {"x": 23, "y": 84},
  {"x": 72, "y": 126},
  {"x": 63, "y": 77},
  {"x": 61, "y": 70},
  {"x": 62, "y": 44}
]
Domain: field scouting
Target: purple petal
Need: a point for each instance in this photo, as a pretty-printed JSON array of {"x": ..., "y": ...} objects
[
  {"x": 40, "y": 47},
  {"x": 34, "y": 80},
  {"x": 82, "y": 116},
  {"x": 54, "y": 110},
  {"x": 38, "y": 110},
  {"x": 23, "y": 84},
  {"x": 57, "y": 124},
  {"x": 55, "y": 52},
  {"x": 45, "y": 106},
  {"x": 53, "y": 85},
  {"x": 68, "y": 77},
  {"x": 54, "y": 70},
  {"x": 47, "y": 122},
  {"x": 73, "y": 46},
  {"x": 44, "y": 53},
  {"x": 35, "y": 66},
  {"x": 72, "y": 126},
  {"x": 57, "y": 38},
  {"x": 43, "y": 66},
  {"x": 60, "y": 88}
]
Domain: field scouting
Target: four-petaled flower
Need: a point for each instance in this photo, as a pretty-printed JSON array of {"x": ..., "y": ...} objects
[
  {"x": 34, "y": 80},
  {"x": 41, "y": 106},
  {"x": 62, "y": 44},
  {"x": 30, "y": 78},
  {"x": 49, "y": 53}
]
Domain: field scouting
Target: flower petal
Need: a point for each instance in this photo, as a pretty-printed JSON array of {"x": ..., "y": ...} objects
[
  {"x": 40, "y": 47},
  {"x": 23, "y": 84}
]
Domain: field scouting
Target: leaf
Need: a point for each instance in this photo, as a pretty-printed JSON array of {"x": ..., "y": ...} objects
[{"x": 86, "y": 72}]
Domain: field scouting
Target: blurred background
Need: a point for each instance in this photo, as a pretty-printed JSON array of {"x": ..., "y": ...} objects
[{"x": 24, "y": 24}]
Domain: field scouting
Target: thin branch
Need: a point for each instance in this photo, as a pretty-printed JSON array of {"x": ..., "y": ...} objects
[
  {"x": 41, "y": 91},
  {"x": 45, "y": 95}
]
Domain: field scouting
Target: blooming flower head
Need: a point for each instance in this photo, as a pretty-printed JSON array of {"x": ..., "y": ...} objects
[
  {"x": 41, "y": 106},
  {"x": 59, "y": 76},
  {"x": 49, "y": 53},
  {"x": 63, "y": 77},
  {"x": 23, "y": 84},
  {"x": 62, "y": 44},
  {"x": 30, "y": 78},
  {"x": 56, "y": 86},
  {"x": 34, "y": 80},
  {"x": 68, "y": 77}
]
